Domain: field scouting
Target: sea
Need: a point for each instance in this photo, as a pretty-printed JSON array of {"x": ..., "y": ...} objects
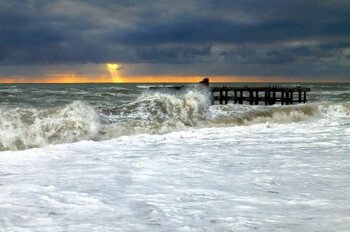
[{"x": 119, "y": 157}]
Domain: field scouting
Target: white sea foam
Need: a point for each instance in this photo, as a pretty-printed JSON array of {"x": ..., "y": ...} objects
[
  {"x": 26, "y": 128},
  {"x": 290, "y": 176}
]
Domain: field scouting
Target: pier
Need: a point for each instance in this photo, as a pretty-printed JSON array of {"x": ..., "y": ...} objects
[
  {"x": 257, "y": 95},
  {"x": 251, "y": 95}
]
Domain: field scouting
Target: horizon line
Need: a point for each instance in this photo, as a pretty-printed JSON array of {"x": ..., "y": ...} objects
[{"x": 92, "y": 82}]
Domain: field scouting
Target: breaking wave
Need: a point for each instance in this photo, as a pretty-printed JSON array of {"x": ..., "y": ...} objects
[
  {"x": 27, "y": 128},
  {"x": 151, "y": 113}
]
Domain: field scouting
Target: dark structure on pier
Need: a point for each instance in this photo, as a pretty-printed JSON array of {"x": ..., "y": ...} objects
[{"x": 254, "y": 95}]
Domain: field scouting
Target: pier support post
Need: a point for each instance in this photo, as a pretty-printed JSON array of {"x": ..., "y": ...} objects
[
  {"x": 221, "y": 97},
  {"x": 251, "y": 98},
  {"x": 226, "y": 97},
  {"x": 299, "y": 96},
  {"x": 235, "y": 96},
  {"x": 257, "y": 97}
]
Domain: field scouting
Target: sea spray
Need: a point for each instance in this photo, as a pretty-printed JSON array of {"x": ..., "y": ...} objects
[
  {"x": 150, "y": 113},
  {"x": 158, "y": 113},
  {"x": 27, "y": 128}
]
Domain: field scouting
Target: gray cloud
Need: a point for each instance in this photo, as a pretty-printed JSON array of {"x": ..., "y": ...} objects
[{"x": 251, "y": 37}]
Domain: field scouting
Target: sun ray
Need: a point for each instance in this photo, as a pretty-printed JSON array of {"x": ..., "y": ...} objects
[{"x": 114, "y": 70}]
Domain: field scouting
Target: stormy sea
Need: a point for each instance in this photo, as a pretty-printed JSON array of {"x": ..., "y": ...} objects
[{"x": 118, "y": 157}]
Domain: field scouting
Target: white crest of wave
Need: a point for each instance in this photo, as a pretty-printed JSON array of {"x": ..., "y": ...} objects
[
  {"x": 282, "y": 115},
  {"x": 27, "y": 128},
  {"x": 235, "y": 114},
  {"x": 277, "y": 114},
  {"x": 186, "y": 108},
  {"x": 334, "y": 110},
  {"x": 159, "y": 112}
]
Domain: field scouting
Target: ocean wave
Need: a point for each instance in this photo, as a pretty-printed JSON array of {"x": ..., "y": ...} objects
[
  {"x": 28, "y": 128},
  {"x": 143, "y": 86},
  {"x": 247, "y": 115},
  {"x": 158, "y": 113},
  {"x": 151, "y": 113}
]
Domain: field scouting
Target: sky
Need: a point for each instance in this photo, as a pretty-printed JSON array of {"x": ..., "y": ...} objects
[{"x": 174, "y": 41}]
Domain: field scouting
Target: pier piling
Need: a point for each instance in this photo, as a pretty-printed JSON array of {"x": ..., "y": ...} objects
[{"x": 255, "y": 95}]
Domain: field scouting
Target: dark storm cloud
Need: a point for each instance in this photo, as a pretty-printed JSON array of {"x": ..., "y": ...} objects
[
  {"x": 272, "y": 35},
  {"x": 173, "y": 54}
]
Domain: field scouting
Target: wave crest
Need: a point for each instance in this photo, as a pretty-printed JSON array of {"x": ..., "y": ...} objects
[
  {"x": 159, "y": 113},
  {"x": 27, "y": 128}
]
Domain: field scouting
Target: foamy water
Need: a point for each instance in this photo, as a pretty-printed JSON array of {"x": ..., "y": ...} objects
[{"x": 120, "y": 158}]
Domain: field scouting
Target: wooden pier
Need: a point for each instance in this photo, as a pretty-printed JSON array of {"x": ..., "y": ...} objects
[
  {"x": 252, "y": 95},
  {"x": 255, "y": 95}
]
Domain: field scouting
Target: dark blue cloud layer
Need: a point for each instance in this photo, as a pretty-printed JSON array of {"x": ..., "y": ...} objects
[{"x": 285, "y": 38}]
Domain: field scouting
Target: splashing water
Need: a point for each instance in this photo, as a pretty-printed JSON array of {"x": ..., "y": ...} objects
[{"x": 151, "y": 113}]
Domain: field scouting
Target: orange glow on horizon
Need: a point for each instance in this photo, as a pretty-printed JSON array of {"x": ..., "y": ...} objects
[
  {"x": 212, "y": 79},
  {"x": 59, "y": 78},
  {"x": 72, "y": 78}
]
